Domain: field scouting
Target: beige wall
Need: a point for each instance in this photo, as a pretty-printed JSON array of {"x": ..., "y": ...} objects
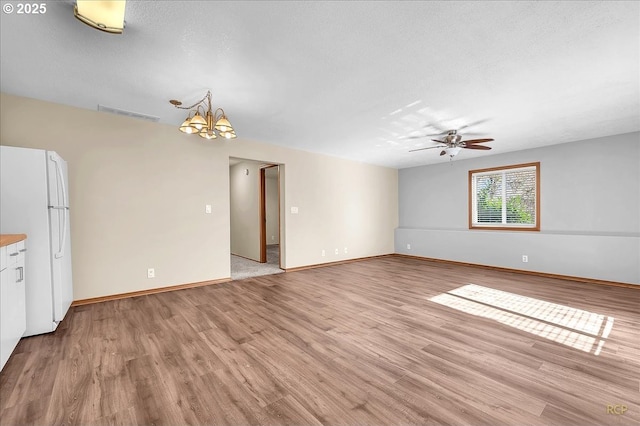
[
  {"x": 138, "y": 192},
  {"x": 245, "y": 209}
]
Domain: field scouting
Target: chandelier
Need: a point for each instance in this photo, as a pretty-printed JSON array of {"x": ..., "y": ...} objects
[
  {"x": 107, "y": 16},
  {"x": 205, "y": 122}
]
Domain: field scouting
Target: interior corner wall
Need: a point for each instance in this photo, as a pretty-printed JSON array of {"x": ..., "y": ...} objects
[
  {"x": 138, "y": 192},
  {"x": 590, "y": 212},
  {"x": 244, "y": 186}
]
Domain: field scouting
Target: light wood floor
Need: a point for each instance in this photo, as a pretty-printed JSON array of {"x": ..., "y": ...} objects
[{"x": 385, "y": 341}]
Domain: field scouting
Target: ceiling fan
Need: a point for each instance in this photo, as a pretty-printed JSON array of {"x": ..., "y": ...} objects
[{"x": 452, "y": 143}]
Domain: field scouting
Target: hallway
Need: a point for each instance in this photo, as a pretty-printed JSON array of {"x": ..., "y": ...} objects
[{"x": 242, "y": 268}]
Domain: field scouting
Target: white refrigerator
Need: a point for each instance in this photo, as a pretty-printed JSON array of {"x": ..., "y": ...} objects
[{"x": 34, "y": 200}]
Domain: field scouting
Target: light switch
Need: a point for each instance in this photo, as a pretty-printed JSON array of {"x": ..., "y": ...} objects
[
  {"x": 294, "y": 210},
  {"x": 207, "y": 208}
]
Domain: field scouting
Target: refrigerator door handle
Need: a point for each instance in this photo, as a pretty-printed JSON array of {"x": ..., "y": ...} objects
[
  {"x": 60, "y": 253},
  {"x": 61, "y": 180},
  {"x": 62, "y": 240}
]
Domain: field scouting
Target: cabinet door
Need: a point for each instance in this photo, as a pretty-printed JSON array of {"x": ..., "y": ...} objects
[
  {"x": 7, "y": 285},
  {"x": 21, "y": 292},
  {"x": 12, "y": 304}
]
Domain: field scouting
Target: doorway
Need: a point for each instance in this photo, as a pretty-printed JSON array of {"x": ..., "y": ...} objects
[{"x": 256, "y": 232}]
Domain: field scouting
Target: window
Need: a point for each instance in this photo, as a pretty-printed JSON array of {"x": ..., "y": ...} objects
[{"x": 505, "y": 198}]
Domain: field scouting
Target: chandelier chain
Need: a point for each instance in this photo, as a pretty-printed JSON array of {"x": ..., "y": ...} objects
[{"x": 208, "y": 95}]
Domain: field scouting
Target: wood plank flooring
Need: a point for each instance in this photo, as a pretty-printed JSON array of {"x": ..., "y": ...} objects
[{"x": 386, "y": 341}]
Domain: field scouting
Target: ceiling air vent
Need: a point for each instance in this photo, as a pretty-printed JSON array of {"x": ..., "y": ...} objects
[{"x": 131, "y": 114}]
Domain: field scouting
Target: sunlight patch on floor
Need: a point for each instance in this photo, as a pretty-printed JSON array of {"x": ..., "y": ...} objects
[{"x": 577, "y": 328}]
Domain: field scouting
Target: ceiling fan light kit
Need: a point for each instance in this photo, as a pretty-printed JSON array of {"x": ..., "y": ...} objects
[
  {"x": 107, "y": 16},
  {"x": 204, "y": 121},
  {"x": 452, "y": 151}
]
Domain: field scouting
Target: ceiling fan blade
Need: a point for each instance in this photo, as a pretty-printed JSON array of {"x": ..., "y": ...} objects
[
  {"x": 477, "y": 147},
  {"x": 448, "y": 132},
  {"x": 443, "y": 152},
  {"x": 439, "y": 141},
  {"x": 472, "y": 141},
  {"x": 437, "y": 127},
  {"x": 422, "y": 149},
  {"x": 475, "y": 123},
  {"x": 422, "y": 136},
  {"x": 428, "y": 127}
]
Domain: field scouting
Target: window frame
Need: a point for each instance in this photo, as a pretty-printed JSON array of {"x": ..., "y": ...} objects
[{"x": 502, "y": 226}]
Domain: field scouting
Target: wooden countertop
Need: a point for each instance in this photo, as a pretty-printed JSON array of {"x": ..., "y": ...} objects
[{"x": 6, "y": 239}]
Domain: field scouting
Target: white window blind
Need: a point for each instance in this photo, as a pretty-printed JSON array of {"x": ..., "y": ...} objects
[{"x": 505, "y": 197}]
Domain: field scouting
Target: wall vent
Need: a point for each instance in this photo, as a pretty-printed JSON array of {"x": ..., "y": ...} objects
[{"x": 131, "y": 114}]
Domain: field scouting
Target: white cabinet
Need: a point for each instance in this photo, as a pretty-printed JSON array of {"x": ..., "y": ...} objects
[{"x": 13, "y": 316}]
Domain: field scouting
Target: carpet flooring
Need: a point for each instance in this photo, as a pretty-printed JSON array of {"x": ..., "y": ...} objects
[{"x": 242, "y": 268}]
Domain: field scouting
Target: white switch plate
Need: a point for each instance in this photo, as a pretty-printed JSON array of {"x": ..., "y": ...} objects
[
  {"x": 151, "y": 273},
  {"x": 525, "y": 258},
  {"x": 294, "y": 210},
  {"x": 408, "y": 246},
  {"x": 207, "y": 208}
]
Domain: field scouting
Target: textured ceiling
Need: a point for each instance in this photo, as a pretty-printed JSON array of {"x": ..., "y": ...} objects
[{"x": 350, "y": 79}]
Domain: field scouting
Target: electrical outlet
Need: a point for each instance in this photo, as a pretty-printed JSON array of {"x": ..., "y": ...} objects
[
  {"x": 345, "y": 250},
  {"x": 525, "y": 258},
  {"x": 273, "y": 238},
  {"x": 151, "y": 273},
  {"x": 337, "y": 251},
  {"x": 408, "y": 246},
  {"x": 207, "y": 208},
  {"x": 323, "y": 253}
]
